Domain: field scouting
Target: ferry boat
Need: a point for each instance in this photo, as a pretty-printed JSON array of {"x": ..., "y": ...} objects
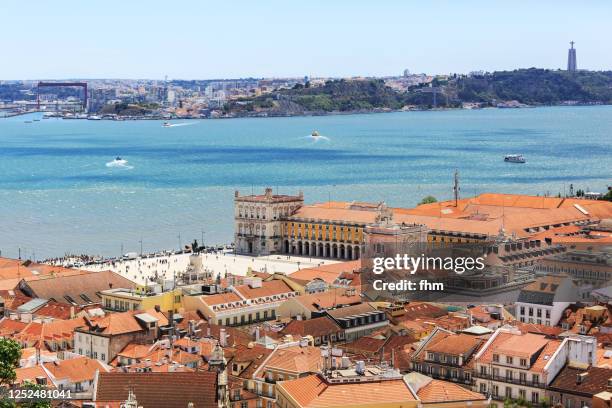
[{"x": 514, "y": 158}]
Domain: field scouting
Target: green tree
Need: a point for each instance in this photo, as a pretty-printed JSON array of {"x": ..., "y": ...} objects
[
  {"x": 428, "y": 200},
  {"x": 10, "y": 353}
]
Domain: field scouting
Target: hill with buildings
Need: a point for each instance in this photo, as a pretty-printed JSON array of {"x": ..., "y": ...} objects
[
  {"x": 523, "y": 87},
  {"x": 332, "y": 96}
]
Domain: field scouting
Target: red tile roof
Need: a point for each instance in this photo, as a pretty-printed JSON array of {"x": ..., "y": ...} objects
[
  {"x": 168, "y": 390},
  {"x": 317, "y": 327},
  {"x": 314, "y": 392},
  {"x": 447, "y": 392},
  {"x": 75, "y": 370}
]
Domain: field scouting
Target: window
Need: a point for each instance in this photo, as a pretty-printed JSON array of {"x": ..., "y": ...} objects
[
  {"x": 523, "y": 362},
  {"x": 535, "y": 397},
  {"x": 508, "y": 392},
  {"x": 103, "y": 357},
  {"x": 522, "y": 394},
  {"x": 483, "y": 388},
  {"x": 509, "y": 360},
  {"x": 535, "y": 378},
  {"x": 496, "y": 358}
]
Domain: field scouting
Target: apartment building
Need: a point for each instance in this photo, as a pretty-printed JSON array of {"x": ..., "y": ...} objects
[
  {"x": 287, "y": 362},
  {"x": 544, "y": 300},
  {"x": 313, "y": 305},
  {"x": 513, "y": 365},
  {"x": 447, "y": 356},
  {"x": 358, "y": 320},
  {"x": 102, "y": 338},
  {"x": 255, "y": 301}
]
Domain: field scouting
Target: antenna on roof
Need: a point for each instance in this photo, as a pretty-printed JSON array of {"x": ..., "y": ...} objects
[{"x": 456, "y": 187}]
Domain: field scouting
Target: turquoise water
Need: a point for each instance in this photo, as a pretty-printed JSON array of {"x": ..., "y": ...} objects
[{"x": 57, "y": 195}]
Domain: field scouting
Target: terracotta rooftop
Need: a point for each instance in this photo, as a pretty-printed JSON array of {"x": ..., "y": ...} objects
[
  {"x": 349, "y": 311},
  {"x": 437, "y": 391},
  {"x": 30, "y": 374},
  {"x": 295, "y": 359},
  {"x": 269, "y": 288},
  {"x": 312, "y": 212},
  {"x": 75, "y": 370},
  {"x": 316, "y": 327},
  {"x": 538, "y": 328},
  {"x": 455, "y": 344},
  {"x": 123, "y": 322},
  {"x": 328, "y": 273},
  {"x": 595, "y": 381},
  {"x": 325, "y": 300},
  {"x": 255, "y": 355},
  {"x": 221, "y": 298},
  {"x": 79, "y": 289},
  {"x": 19, "y": 269},
  {"x": 524, "y": 345},
  {"x": 314, "y": 392},
  {"x": 169, "y": 390}
]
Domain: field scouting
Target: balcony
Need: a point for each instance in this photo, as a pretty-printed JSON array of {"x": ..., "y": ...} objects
[{"x": 512, "y": 380}]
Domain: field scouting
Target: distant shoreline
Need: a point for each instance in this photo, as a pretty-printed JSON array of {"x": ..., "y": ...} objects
[{"x": 309, "y": 114}]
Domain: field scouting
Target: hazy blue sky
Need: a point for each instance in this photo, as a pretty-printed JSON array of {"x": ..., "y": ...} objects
[{"x": 215, "y": 39}]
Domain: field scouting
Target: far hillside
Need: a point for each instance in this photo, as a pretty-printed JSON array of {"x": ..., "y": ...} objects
[{"x": 527, "y": 86}]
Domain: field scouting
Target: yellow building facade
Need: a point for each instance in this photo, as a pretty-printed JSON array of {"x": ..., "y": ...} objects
[{"x": 140, "y": 299}]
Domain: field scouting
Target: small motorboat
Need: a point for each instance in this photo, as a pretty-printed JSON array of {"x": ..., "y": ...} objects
[
  {"x": 514, "y": 158},
  {"x": 166, "y": 124},
  {"x": 118, "y": 162}
]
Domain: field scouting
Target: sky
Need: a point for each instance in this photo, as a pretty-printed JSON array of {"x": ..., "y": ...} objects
[{"x": 201, "y": 39}]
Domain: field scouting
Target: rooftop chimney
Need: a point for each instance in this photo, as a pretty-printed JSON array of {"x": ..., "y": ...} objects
[{"x": 222, "y": 338}]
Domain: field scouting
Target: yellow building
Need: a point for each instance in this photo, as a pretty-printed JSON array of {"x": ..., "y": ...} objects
[
  {"x": 121, "y": 299},
  {"x": 271, "y": 224}
]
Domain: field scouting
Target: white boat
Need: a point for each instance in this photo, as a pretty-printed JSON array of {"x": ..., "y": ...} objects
[
  {"x": 94, "y": 117},
  {"x": 315, "y": 134},
  {"x": 166, "y": 124},
  {"x": 514, "y": 158}
]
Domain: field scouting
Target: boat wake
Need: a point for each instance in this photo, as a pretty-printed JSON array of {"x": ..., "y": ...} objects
[
  {"x": 316, "y": 139},
  {"x": 119, "y": 164},
  {"x": 180, "y": 124}
]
